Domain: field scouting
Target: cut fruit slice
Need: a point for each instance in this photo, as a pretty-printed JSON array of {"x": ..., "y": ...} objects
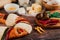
[
  {"x": 2, "y": 30},
  {"x": 24, "y": 26},
  {"x": 17, "y": 32},
  {"x": 11, "y": 19}
]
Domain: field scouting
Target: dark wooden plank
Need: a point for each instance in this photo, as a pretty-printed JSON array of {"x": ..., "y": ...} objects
[{"x": 51, "y": 34}]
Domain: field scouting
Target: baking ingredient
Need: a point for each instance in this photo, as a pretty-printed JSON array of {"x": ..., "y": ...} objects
[
  {"x": 21, "y": 11},
  {"x": 49, "y": 22},
  {"x": 38, "y": 1},
  {"x": 11, "y": 8},
  {"x": 52, "y": 2},
  {"x": 23, "y": 2},
  {"x": 34, "y": 9},
  {"x": 55, "y": 14}
]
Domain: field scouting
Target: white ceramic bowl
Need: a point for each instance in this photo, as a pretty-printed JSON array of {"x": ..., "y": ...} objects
[
  {"x": 7, "y": 6},
  {"x": 21, "y": 11}
]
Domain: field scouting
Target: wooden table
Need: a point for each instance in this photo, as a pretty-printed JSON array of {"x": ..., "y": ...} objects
[{"x": 51, "y": 34}]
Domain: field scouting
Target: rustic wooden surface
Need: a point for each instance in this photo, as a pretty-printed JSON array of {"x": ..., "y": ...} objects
[{"x": 50, "y": 34}]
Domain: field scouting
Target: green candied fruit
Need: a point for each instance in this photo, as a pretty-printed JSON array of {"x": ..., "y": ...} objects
[{"x": 55, "y": 14}]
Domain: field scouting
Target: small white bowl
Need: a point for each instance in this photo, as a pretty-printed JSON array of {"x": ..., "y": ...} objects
[
  {"x": 7, "y": 6},
  {"x": 21, "y": 11}
]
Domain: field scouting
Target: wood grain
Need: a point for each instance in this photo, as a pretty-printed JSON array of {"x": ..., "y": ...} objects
[{"x": 51, "y": 34}]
